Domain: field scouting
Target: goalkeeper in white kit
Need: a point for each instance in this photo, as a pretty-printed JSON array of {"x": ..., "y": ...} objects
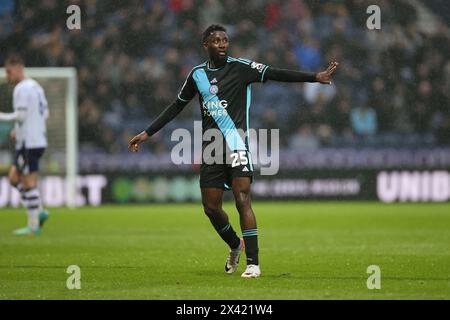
[{"x": 30, "y": 115}]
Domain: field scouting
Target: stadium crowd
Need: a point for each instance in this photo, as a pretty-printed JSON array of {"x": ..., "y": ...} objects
[{"x": 392, "y": 87}]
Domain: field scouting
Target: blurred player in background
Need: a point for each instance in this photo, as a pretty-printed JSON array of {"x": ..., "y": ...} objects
[
  {"x": 223, "y": 85},
  {"x": 30, "y": 115}
]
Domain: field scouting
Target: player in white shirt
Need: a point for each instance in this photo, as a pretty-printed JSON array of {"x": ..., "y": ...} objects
[{"x": 30, "y": 114}]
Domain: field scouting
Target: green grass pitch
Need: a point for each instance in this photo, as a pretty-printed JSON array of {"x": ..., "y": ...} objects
[{"x": 307, "y": 251}]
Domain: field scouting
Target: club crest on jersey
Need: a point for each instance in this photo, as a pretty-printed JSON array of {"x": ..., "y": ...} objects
[{"x": 213, "y": 89}]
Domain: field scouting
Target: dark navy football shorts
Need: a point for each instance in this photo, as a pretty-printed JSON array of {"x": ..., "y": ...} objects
[
  {"x": 27, "y": 160},
  {"x": 221, "y": 175}
]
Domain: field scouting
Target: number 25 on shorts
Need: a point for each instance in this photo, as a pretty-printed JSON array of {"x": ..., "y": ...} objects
[{"x": 239, "y": 158}]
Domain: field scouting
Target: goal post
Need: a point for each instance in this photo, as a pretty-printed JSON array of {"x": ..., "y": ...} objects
[{"x": 61, "y": 157}]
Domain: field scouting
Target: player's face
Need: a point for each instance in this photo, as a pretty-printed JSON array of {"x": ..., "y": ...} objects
[
  {"x": 217, "y": 45},
  {"x": 13, "y": 72}
]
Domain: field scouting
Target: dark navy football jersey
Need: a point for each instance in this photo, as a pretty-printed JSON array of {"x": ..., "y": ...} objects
[{"x": 225, "y": 97}]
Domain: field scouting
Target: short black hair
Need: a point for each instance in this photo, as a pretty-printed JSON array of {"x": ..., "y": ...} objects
[
  {"x": 14, "y": 59},
  {"x": 211, "y": 29}
]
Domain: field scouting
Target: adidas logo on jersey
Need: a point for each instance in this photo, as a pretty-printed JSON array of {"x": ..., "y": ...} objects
[
  {"x": 245, "y": 169},
  {"x": 214, "y": 80}
]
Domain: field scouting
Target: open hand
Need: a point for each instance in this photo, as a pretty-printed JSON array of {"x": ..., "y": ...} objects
[
  {"x": 134, "y": 143},
  {"x": 324, "y": 77}
]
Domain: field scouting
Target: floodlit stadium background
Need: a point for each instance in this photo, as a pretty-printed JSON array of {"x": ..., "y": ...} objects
[{"x": 380, "y": 132}]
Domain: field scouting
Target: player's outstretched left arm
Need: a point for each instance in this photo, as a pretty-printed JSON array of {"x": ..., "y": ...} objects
[
  {"x": 325, "y": 76},
  {"x": 283, "y": 75}
]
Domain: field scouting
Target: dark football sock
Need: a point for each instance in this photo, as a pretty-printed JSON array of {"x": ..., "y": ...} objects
[
  {"x": 227, "y": 233},
  {"x": 251, "y": 245}
]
